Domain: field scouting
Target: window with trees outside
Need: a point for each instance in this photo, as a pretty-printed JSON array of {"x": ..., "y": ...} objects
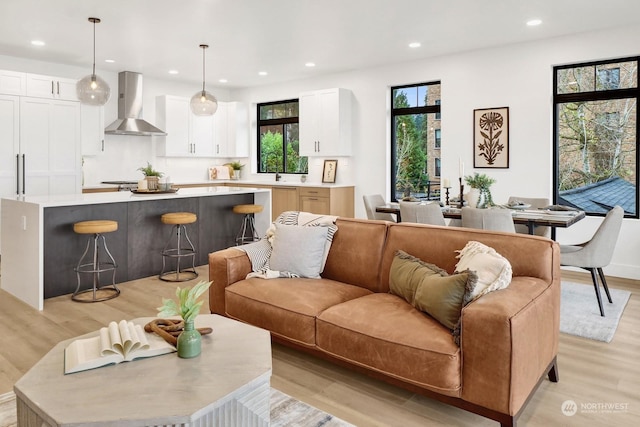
[
  {"x": 415, "y": 141},
  {"x": 596, "y": 135},
  {"x": 278, "y": 141}
]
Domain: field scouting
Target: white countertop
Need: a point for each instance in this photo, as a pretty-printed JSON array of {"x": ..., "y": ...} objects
[
  {"x": 285, "y": 182},
  {"x": 126, "y": 196}
]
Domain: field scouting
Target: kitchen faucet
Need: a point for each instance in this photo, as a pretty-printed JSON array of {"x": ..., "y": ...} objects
[{"x": 278, "y": 176}]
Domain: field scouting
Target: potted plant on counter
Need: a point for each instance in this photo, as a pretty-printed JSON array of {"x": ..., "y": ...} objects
[
  {"x": 237, "y": 168},
  {"x": 481, "y": 183},
  {"x": 151, "y": 175}
]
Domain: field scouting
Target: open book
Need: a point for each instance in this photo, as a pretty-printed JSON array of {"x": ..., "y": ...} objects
[{"x": 119, "y": 342}]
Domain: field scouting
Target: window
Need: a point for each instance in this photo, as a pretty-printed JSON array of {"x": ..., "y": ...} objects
[
  {"x": 278, "y": 142},
  {"x": 596, "y": 135},
  {"x": 415, "y": 131}
]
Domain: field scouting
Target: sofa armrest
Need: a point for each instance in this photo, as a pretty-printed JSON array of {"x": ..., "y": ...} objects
[
  {"x": 226, "y": 266},
  {"x": 508, "y": 339}
]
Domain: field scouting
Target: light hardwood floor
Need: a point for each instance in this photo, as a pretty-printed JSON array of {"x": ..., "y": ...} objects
[{"x": 591, "y": 373}]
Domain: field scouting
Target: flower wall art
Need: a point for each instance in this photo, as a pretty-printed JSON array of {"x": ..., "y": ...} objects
[{"x": 491, "y": 138}]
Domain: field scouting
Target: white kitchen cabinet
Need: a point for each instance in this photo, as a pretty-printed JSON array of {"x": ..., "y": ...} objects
[
  {"x": 187, "y": 134},
  {"x": 325, "y": 123},
  {"x": 12, "y": 83},
  {"x": 91, "y": 129},
  {"x": 42, "y": 86},
  {"x": 9, "y": 144},
  {"x": 231, "y": 130},
  {"x": 50, "y": 146}
]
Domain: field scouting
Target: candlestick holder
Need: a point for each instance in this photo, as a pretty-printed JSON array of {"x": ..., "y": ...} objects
[
  {"x": 446, "y": 193},
  {"x": 461, "y": 193}
]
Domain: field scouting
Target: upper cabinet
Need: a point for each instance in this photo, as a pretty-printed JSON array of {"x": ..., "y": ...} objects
[
  {"x": 12, "y": 83},
  {"x": 41, "y": 86},
  {"x": 325, "y": 123},
  {"x": 187, "y": 134},
  {"x": 231, "y": 130},
  {"x": 225, "y": 134}
]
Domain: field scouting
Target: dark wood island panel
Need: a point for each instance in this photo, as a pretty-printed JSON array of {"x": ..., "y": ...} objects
[{"x": 140, "y": 238}]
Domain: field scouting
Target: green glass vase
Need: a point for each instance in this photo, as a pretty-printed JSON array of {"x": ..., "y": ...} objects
[{"x": 189, "y": 341}]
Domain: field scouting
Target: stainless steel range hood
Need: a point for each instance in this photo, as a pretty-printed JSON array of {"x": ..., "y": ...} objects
[{"x": 130, "y": 120}]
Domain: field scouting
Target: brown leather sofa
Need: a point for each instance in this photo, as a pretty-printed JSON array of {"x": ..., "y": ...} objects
[{"x": 508, "y": 340}]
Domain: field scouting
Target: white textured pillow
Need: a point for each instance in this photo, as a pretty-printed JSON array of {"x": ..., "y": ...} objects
[
  {"x": 493, "y": 270},
  {"x": 298, "y": 250}
]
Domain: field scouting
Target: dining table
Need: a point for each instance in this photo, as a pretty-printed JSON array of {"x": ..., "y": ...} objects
[{"x": 532, "y": 218}]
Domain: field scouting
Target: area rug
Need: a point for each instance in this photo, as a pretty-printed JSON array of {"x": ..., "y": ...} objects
[
  {"x": 580, "y": 315},
  {"x": 285, "y": 411}
]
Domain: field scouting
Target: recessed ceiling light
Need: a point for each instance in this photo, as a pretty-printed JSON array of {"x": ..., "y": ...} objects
[
  {"x": 310, "y": 64},
  {"x": 262, "y": 73},
  {"x": 173, "y": 71},
  {"x": 534, "y": 22},
  {"x": 223, "y": 80},
  {"x": 414, "y": 45},
  {"x": 37, "y": 42},
  {"x": 110, "y": 61}
]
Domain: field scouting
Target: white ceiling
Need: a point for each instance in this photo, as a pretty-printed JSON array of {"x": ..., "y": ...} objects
[{"x": 280, "y": 36}]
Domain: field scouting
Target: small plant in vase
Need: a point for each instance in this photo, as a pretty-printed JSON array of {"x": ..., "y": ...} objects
[
  {"x": 151, "y": 175},
  {"x": 187, "y": 307},
  {"x": 482, "y": 183},
  {"x": 237, "y": 168}
]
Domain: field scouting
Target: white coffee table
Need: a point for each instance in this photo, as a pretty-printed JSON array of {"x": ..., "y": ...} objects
[{"x": 227, "y": 385}]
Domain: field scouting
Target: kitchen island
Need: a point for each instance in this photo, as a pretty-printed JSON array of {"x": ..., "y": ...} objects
[{"x": 40, "y": 250}]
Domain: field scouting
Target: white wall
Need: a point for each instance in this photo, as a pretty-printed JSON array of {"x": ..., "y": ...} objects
[{"x": 517, "y": 76}]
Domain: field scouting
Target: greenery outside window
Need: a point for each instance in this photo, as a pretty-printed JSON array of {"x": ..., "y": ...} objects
[
  {"x": 278, "y": 140},
  {"x": 415, "y": 141},
  {"x": 596, "y": 135}
]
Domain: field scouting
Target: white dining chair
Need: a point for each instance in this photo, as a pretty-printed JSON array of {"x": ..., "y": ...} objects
[
  {"x": 488, "y": 219},
  {"x": 536, "y": 203},
  {"x": 423, "y": 213},
  {"x": 597, "y": 252},
  {"x": 371, "y": 201}
]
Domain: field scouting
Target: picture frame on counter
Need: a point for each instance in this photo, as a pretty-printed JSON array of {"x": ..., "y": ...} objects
[{"x": 329, "y": 171}]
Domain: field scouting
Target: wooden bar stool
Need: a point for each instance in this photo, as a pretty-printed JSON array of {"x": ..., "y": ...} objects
[
  {"x": 247, "y": 233},
  {"x": 95, "y": 266},
  {"x": 181, "y": 250}
]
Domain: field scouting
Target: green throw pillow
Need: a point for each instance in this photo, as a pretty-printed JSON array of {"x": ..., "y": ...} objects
[{"x": 428, "y": 287}]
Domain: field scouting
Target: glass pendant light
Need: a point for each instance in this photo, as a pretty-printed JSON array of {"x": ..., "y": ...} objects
[
  {"x": 202, "y": 102},
  {"x": 91, "y": 89}
]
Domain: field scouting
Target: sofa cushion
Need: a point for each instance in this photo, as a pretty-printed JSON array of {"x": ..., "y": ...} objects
[
  {"x": 429, "y": 288},
  {"x": 356, "y": 253},
  {"x": 298, "y": 250},
  {"x": 287, "y": 307},
  {"x": 383, "y": 332}
]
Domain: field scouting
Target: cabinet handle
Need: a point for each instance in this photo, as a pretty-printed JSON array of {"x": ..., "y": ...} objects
[
  {"x": 102, "y": 145},
  {"x": 217, "y": 148},
  {"x": 312, "y": 198},
  {"x": 52, "y": 92},
  {"x": 24, "y": 168},
  {"x": 18, "y": 174},
  {"x": 318, "y": 146},
  {"x": 58, "y": 86}
]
